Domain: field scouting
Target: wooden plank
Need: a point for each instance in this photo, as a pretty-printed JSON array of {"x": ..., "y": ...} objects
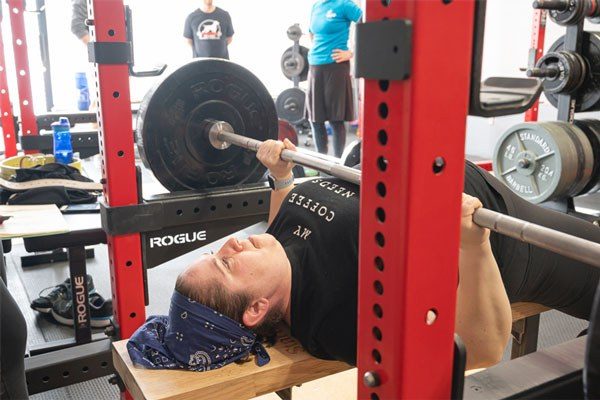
[
  {"x": 524, "y": 310},
  {"x": 290, "y": 365}
]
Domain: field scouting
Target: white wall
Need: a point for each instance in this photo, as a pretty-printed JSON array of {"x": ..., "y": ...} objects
[{"x": 258, "y": 44}]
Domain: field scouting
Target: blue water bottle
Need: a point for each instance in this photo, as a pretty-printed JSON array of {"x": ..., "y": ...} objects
[
  {"x": 63, "y": 149},
  {"x": 83, "y": 103}
]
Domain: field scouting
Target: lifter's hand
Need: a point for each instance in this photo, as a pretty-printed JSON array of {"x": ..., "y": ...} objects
[
  {"x": 269, "y": 154},
  {"x": 471, "y": 234}
]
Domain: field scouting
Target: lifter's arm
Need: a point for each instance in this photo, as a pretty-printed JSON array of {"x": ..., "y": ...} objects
[
  {"x": 269, "y": 153},
  {"x": 483, "y": 314}
]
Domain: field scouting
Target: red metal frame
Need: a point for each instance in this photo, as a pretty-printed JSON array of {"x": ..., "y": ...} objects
[
  {"x": 118, "y": 167},
  {"x": 6, "y": 112},
  {"x": 17, "y": 23},
  {"x": 426, "y": 120},
  {"x": 538, "y": 36}
]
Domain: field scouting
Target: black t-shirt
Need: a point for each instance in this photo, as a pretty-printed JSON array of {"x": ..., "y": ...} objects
[
  {"x": 209, "y": 32},
  {"x": 318, "y": 227}
]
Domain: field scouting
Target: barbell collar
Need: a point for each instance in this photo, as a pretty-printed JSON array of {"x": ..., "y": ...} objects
[
  {"x": 221, "y": 135},
  {"x": 558, "y": 5}
]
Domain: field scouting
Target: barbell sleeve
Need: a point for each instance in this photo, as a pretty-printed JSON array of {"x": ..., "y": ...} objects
[
  {"x": 224, "y": 133},
  {"x": 221, "y": 135},
  {"x": 557, "y": 242}
]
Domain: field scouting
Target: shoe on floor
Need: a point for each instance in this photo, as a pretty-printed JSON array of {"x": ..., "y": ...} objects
[
  {"x": 50, "y": 295},
  {"x": 100, "y": 310}
]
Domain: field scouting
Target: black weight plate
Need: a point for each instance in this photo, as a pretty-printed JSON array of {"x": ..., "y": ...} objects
[
  {"x": 589, "y": 93},
  {"x": 290, "y": 105},
  {"x": 300, "y": 59},
  {"x": 171, "y": 117}
]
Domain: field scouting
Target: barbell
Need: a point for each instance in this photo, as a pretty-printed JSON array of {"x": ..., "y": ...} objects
[{"x": 188, "y": 122}]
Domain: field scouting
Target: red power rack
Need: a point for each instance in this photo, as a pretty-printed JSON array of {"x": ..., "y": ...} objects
[
  {"x": 118, "y": 166},
  {"x": 17, "y": 23},
  {"x": 413, "y": 167},
  {"x": 7, "y": 117}
]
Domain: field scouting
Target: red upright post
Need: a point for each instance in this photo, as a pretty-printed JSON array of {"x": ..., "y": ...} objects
[
  {"x": 118, "y": 166},
  {"x": 536, "y": 51},
  {"x": 17, "y": 23},
  {"x": 8, "y": 127},
  {"x": 412, "y": 171}
]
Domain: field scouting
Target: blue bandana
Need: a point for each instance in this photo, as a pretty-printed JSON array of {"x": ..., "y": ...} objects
[{"x": 193, "y": 337}]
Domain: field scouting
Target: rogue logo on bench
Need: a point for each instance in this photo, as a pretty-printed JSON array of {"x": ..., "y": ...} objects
[{"x": 169, "y": 240}]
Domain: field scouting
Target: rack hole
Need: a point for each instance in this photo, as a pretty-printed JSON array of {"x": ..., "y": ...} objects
[
  {"x": 382, "y": 137},
  {"x": 377, "y": 333},
  {"x": 379, "y": 263},
  {"x": 179, "y": 212},
  {"x": 438, "y": 165},
  {"x": 85, "y": 369},
  {"x": 196, "y": 210},
  {"x": 229, "y": 205},
  {"x": 431, "y": 316},
  {"x": 382, "y": 163},
  {"x": 386, "y": 3},
  {"x": 376, "y": 356},
  {"x": 46, "y": 379},
  {"x": 383, "y": 110},
  {"x": 380, "y": 212},
  {"x": 384, "y": 85},
  {"x": 381, "y": 189},
  {"x": 129, "y": 263},
  {"x": 213, "y": 208},
  {"x": 260, "y": 202},
  {"x": 65, "y": 374},
  {"x": 116, "y": 94},
  {"x": 111, "y": 32},
  {"x": 120, "y": 153},
  {"x": 380, "y": 239},
  {"x": 378, "y": 311},
  {"x": 378, "y": 287},
  {"x": 19, "y": 42},
  {"x": 374, "y": 396},
  {"x": 22, "y": 72},
  {"x": 395, "y": 49},
  {"x": 104, "y": 364},
  {"x": 245, "y": 204},
  {"x": 132, "y": 315}
]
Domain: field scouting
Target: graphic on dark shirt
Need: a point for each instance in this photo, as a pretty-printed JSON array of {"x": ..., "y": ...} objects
[
  {"x": 209, "y": 29},
  {"x": 209, "y": 33}
]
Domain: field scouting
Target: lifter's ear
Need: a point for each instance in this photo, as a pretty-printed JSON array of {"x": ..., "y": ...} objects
[{"x": 256, "y": 312}]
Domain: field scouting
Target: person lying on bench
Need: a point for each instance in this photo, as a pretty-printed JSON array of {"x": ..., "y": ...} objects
[{"x": 304, "y": 271}]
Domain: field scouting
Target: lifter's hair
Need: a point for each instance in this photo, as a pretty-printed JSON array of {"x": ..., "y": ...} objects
[{"x": 231, "y": 304}]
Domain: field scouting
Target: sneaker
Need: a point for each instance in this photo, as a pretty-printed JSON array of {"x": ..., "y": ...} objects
[
  {"x": 100, "y": 310},
  {"x": 50, "y": 295}
]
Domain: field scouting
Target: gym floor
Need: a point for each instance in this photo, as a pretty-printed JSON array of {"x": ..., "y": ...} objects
[{"x": 25, "y": 285}]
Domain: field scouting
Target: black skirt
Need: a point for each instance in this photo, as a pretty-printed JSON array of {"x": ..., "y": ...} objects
[{"x": 329, "y": 95}]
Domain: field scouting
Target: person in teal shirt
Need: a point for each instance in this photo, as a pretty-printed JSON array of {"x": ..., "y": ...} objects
[{"x": 329, "y": 96}]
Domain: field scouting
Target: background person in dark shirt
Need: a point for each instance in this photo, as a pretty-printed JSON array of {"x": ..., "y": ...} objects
[
  {"x": 209, "y": 31},
  {"x": 304, "y": 271}
]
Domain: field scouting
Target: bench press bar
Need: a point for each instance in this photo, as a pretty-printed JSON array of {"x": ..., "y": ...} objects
[{"x": 221, "y": 136}]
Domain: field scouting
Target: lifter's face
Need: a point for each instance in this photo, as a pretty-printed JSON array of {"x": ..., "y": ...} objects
[{"x": 254, "y": 265}]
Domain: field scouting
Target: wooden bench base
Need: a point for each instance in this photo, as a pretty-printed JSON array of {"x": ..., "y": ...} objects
[{"x": 290, "y": 365}]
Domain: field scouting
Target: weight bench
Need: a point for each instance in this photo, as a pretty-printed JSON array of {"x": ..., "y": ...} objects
[
  {"x": 525, "y": 328},
  {"x": 290, "y": 365},
  {"x": 85, "y": 230}
]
